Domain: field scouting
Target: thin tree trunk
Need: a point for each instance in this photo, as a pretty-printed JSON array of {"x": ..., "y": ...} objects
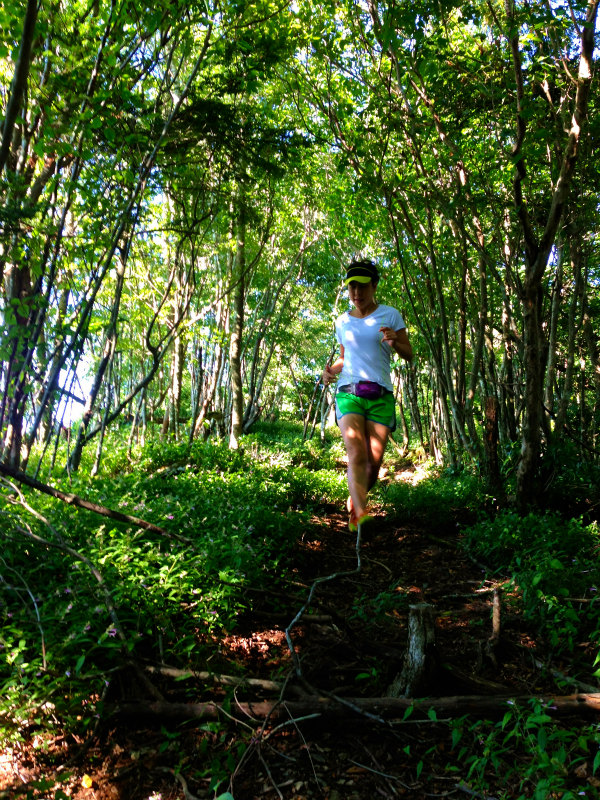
[
  {"x": 19, "y": 82},
  {"x": 403, "y": 424},
  {"x": 110, "y": 344},
  {"x": 18, "y": 291},
  {"x": 237, "y": 330},
  {"x": 555, "y": 308},
  {"x": 573, "y": 325},
  {"x": 537, "y": 253}
]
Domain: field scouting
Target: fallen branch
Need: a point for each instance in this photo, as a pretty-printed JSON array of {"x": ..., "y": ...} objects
[
  {"x": 212, "y": 677},
  {"x": 178, "y": 776},
  {"x": 391, "y": 709},
  {"x": 65, "y": 548},
  {"x": 575, "y": 683},
  {"x": 80, "y": 502}
]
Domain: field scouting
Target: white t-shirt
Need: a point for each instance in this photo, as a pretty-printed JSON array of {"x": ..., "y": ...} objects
[{"x": 366, "y": 356}]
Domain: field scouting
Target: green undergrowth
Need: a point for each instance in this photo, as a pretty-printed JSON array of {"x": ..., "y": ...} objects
[
  {"x": 442, "y": 499},
  {"x": 553, "y": 562},
  {"x": 550, "y": 564},
  {"x": 549, "y": 560},
  {"x": 81, "y": 595},
  {"x": 537, "y": 757}
]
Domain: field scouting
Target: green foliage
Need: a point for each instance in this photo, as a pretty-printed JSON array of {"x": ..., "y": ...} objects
[
  {"x": 440, "y": 497},
  {"x": 572, "y": 482},
  {"x": 554, "y": 561},
  {"x": 240, "y": 513},
  {"x": 569, "y": 481},
  {"x": 535, "y": 756}
]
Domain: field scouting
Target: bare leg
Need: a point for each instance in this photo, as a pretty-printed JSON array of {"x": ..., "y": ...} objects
[
  {"x": 365, "y": 443},
  {"x": 377, "y": 437},
  {"x": 354, "y": 432}
]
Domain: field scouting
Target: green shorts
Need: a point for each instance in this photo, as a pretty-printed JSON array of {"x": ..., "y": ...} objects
[{"x": 382, "y": 410}]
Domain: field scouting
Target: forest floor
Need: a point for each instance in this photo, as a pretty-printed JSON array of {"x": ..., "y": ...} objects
[{"x": 352, "y": 647}]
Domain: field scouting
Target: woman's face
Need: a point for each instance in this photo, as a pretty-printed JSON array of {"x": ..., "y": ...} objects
[{"x": 362, "y": 295}]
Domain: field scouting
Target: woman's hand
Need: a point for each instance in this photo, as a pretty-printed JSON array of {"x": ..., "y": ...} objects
[
  {"x": 398, "y": 341},
  {"x": 328, "y": 376},
  {"x": 331, "y": 371},
  {"x": 389, "y": 335}
]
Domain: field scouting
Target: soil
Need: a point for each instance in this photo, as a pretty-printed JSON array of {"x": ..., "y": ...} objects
[{"x": 351, "y": 643}]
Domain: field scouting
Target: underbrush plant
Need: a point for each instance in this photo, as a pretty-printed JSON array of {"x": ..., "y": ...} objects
[
  {"x": 537, "y": 757},
  {"x": 572, "y": 483},
  {"x": 285, "y": 445},
  {"x": 81, "y": 595},
  {"x": 440, "y": 497},
  {"x": 554, "y": 563}
]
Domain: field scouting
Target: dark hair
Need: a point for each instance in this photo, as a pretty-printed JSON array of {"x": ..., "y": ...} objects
[{"x": 364, "y": 268}]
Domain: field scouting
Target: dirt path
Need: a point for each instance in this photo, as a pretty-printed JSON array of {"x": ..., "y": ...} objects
[
  {"x": 353, "y": 646},
  {"x": 357, "y": 646}
]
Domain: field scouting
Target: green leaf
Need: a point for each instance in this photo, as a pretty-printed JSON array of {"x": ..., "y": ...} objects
[
  {"x": 506, "y": 720},
  {"x": 537, "y": 719}
]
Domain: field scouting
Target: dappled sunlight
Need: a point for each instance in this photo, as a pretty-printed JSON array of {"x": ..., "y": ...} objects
[
  {"x": 7, "y": 765},
  {"x": 184, "y": 186},
  {"x": 257, "y": 645},
  {"x": 414, "y": 476},
  {"x": 315, "y": 545}
]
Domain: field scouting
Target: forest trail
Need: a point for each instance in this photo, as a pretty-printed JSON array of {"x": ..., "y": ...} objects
[{"x": 350, "y": 643}]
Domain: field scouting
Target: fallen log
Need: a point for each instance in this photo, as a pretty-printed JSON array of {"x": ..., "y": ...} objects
[
  {"x": 213, "y": 677},
  {"x": 80, "y": 502},
  {"x": 391, "y": 709}
]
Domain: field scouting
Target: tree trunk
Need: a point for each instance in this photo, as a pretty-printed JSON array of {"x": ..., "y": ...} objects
[
  {"x": 492, "y": 466},
  {"x": 237, "y": 330},
  {"x": 173, "y": 410},
  {"x": 403, "y": 424},
  {"x": 411, "y": 397},
  {"x": 537, "y": 252},
  {"x": 578, "y": 706},
  {"x": 18, "y": 88},
  {"x": 508, "y": 418},
  {"x": 593, "y": 351},
  {"x": 110, "y": 345},
  {"x": 555, "y": 308},
  {"x": 18, "y": 296},
  {"x": 527, "y": 471},
  {"x": 421, "y": 661},
  {"x": 574, "y": 322},
  {"x": 210, "y": 385}
]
